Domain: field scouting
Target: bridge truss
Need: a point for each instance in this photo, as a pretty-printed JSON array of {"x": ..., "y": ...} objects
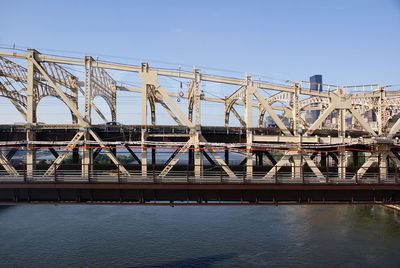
[{"x": 341, "y": 145}]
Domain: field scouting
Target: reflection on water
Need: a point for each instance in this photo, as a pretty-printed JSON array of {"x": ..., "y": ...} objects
[{"x": 139, "y": 236}]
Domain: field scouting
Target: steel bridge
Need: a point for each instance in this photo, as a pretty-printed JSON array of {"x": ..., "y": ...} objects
[{"x": 343, "y": 156}]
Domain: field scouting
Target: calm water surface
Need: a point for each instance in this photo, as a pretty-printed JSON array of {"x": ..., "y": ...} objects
[{"x": 133, "y": 236}]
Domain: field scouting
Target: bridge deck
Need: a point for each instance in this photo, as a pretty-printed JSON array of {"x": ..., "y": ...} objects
[{"x": 194, "y": 194}]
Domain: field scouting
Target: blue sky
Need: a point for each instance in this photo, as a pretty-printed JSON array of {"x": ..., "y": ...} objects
[{"x": 348, "y": 42}]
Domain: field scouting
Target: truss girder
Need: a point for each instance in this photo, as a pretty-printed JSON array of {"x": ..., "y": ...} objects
[
  {"x": 74, "y": 142},
  {"x": 60, "y": 93},
  {"x": 296, "y": 158},
  {"x": 48, "y": 76},
  {"x": 14, "y": 79}
]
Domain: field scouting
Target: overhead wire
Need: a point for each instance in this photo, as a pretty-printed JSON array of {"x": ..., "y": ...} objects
[
  {"x": 125, "y": 101},
  {"x": 23, "y": 48}
]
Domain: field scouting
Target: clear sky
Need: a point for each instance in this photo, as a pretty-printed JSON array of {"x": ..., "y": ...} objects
[{"x": 348, "y": 42}]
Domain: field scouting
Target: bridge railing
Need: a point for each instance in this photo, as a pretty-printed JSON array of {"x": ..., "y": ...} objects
[{"x": 214, "y": 175}]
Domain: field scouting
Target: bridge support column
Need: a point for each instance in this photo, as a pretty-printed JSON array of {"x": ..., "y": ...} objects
[
  {"x": 249, "y": 155},
  {"x": 383, "y": 162},
  {"x": 146, "y": 81},
  {"x": 87, "y": 157},
  {"x": 297, "y": 159},
  {"x": 198, "y": 158},
  {"x": 383, "y": 166},
  {"x": 30, "y": 153},
  {"x": 87, "y": 151},
  {"x": 195, "y": 97},
  {"x": 381, "y": 116},
  {"x": 342, "y": 154},
  {"x": 144, "y": 153},
  {"x": 32, "y": 99},
  {"x": 297, "y": 166},
  {"x": 296, "y": 110},
  {"x": 342, "y": 165},
  {"x": 250, "y": 89}
]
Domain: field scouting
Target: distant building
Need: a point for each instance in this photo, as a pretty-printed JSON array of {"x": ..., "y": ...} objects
[{"x": 315, "y": 84}]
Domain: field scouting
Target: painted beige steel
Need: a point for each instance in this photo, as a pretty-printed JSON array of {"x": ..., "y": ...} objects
[{"x": 285, "y": 105}]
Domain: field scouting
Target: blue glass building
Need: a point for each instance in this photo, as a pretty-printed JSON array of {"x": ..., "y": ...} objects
[{"x": 315, "y": 84}]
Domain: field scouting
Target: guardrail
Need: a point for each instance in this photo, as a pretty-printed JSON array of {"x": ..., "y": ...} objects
[{"x": 213, "y": 175}]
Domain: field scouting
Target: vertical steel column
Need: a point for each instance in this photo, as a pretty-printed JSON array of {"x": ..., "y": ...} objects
[
  {"x": 381, "y": 110},
  {"x": 250, "y": 89},
  {"x": 144, "y": 152},
  {"x": 342, "y": 133},
  {"x": 114, "y": 102},
  {"x": 144, "y": 82},
  {"x": 31, "y": 114},
  {"x": 295, "y": 109},
  {"x": 297, "y": 168},
  {"x": 87, "y": 155},
  {"x": 88, "y": 90},
  {"x": 383, "y": 162},
  {"x": 114, "y": 111},
  {"x": 198, "y": 155},
  {"x": 297, "y": 161}
]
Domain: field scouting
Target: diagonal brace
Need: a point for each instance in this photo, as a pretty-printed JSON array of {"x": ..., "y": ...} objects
[
  {"x": 71, "y": 145},
  {"x": 108, "y": 152},
  {"x": 174, "y": 107},
  {"x": 283, "y": 161},
  {"x": 313, "y": 167},
  {"x": 271, "y": 113},
  {"x": 363, "y": 169},
  {"x": 320, "y": 119},
  {"x": 163, "y": 104},
  {"x": 362, "y": 121},
  {"x": 7, "y": 165},
  {"x": 220, "y": 161},
  {"x": 176, "y": 158},
  {"x": 237, "y": 115}
]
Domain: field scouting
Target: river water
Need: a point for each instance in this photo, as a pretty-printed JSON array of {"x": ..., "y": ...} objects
[{"x": 220, "y": 236}]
